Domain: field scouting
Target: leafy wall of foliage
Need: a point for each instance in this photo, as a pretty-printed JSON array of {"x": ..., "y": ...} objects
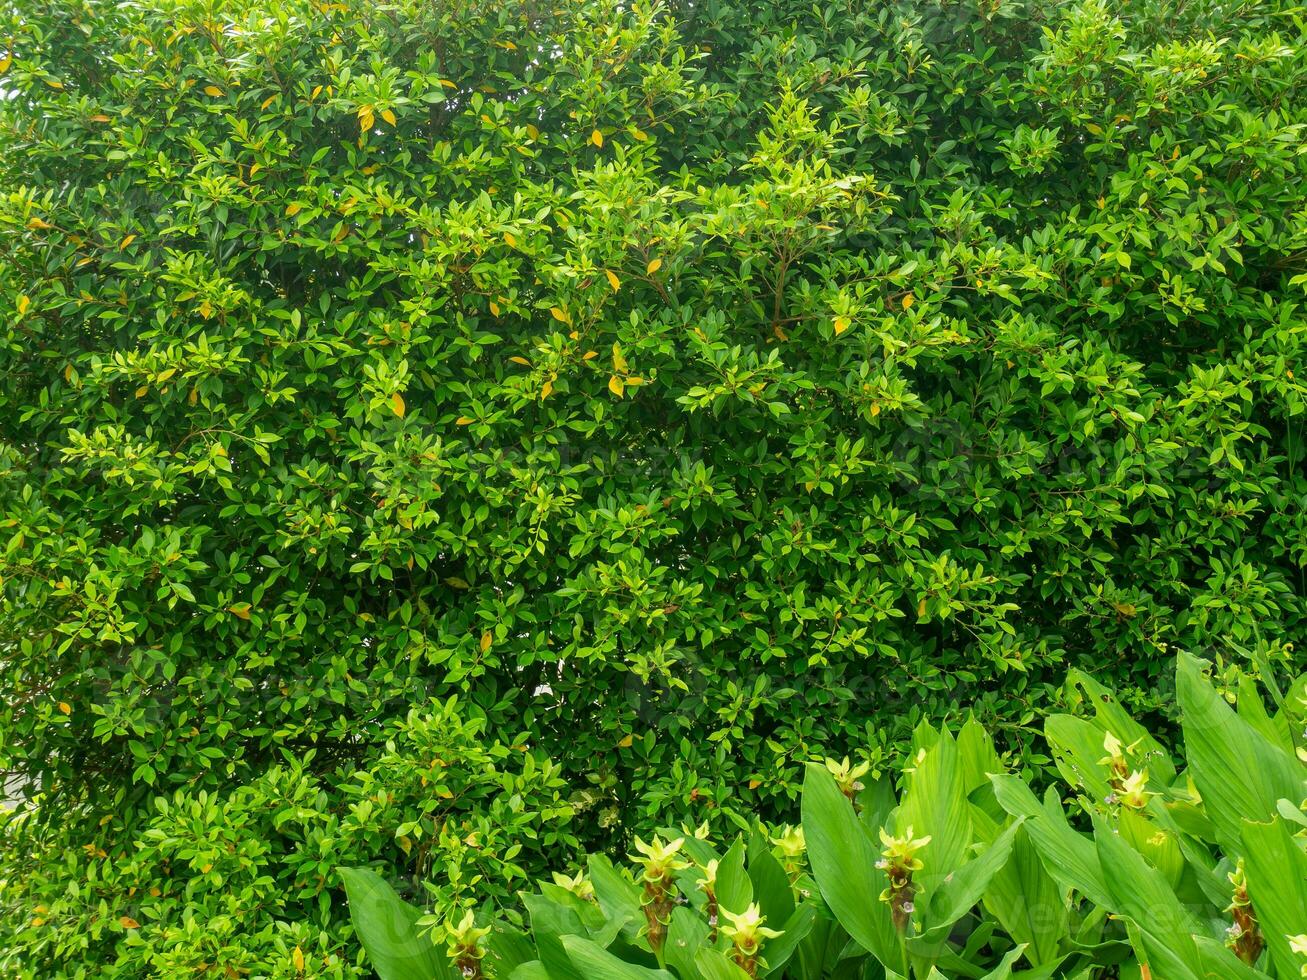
[{"x": 688, "y": 390}]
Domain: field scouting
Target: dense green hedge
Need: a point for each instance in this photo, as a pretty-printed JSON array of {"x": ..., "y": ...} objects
[{"x": 691, "y": 391}]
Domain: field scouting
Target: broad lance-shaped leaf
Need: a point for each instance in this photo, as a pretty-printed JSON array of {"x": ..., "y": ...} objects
[
  {"x": 686, "y": 935},
  {"x": 1276, "y": 867},
  {"x": 387, "y": 928},
  {"x": 935, "y": 806},
  {"x": 1239, "y": 774},
  {"x": 712, "y": 964},
  {"x": 844, "y": 865},
  {"x": 1068, "y": 856},
  {"x": 958, "y": 893},
  {"x": 1139, "y": 893},
  {"x": 1029, "y": 904},
  {"x": 777, "y": 952},
  {"x": 595, "y": 963}
]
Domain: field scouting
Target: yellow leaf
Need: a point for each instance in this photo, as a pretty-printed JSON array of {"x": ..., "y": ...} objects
[
  {"x": 447, "y": 83},
  {"x": 616, "y": 386},
  {"x": 65, "y": 707},
  {"x": 613, "y": 280},
  {"x": 487, "y": 638},
  {"x": 293, "y": 208},
  {"x": 268, "y": 101},
  {"x": 193, "y": 397},
  {"x": 126, "y": 241},
  {"x": 240, "y": 610},
  {"x": 24, "y": 303},
  {"x": 1094, "y": 128},
  {"x": 518, "y": 359},
  {"x": 619, "y": 362},
  {"x": 100, "y": 118},
  {"x": 589, "y": 355},
  {"x": 397, "y": 404},
  {"x": 754, "y": 783},
  {"x": 532, "y": 131},
  {"x": 297, "y": 959},
  {"x": 639, "y": 133},
  {"x": 38, "y": 224},
  {"x": 494, "y": 308},
  {"x": 596, "y": 137},
  {"x": 625, "y": 743},
  {"x": 908, "y": 300},
  {"x": 560, "y": 314},
  {"x": 875, "y": 409},
  {"x": 546, "y": 390},
  {"x": 5, "y": 62},
  {"x": 510, "y": 240},
  {"x": 389, "y": 116},
  {"x": 634, "y": 382},
  {"x": 463, "y": 420},
  {"x": 841, "y": 324},
  {"x": 68, "y": 372},
  {"x": 653, "y": 266},
  {"x": 142, "y": 391},
  {"x": 255, "y": 169},
  {"x": 54, "y": 84},
  {"x": 213, "y": 90},
  {"x": 921, "y": 609},
  {"x": 127, "y": 922},
  {"x": 366, "y": 120}
]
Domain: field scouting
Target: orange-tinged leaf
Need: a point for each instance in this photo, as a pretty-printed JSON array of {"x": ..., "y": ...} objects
[
  {"x": 37, "y": 224},
  {"x": 589, "y": 355},
  {"x": 100, "y": 117},
  {"x": 921, "y": 608},
  {"x": 127, "y": 922},
  {"x": 487, "y": 638},
  {"x": 24, "y": 304},
  {"x": 293, "y": 208},
  {"x": 126, "y": 241},
  {"x": 616, "y": 386},
  {"x": 397, "y": 404},
  {"x": 519, "y": 359},
  {"x": 613, "y": 280},
  {"x": 54, "y": 83},
  {"x": 546, "y": 390},
  {"x": 463, "y": 420},
  {"x": 596, "y": 137},
  {"x": 653, "y": 266},
  {"x": 841, "y": 324},
  {"x": 193, "y": 397},
  {"x": 297, "y": 959},
  {"x": 5, "y": 62},
  {"x": 241, "y": 610},
  {"x": 447, "y": 83},
  {"x": 213, "y": 90},
  {"x": 494, "y": 308},
  {"x": 510, "y": 240},
  {"x": 389, "y": 116},
  {"x": 268, "y": 101},
  {"x": 560, "y": 314},
  {"x": 908, "y": 300},
  {"x": 754, "y": 783},
  {"x": 65, "y": 707}
]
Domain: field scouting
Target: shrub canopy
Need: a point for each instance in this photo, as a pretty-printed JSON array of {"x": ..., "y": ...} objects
[{"x": 686, "y": 390}]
